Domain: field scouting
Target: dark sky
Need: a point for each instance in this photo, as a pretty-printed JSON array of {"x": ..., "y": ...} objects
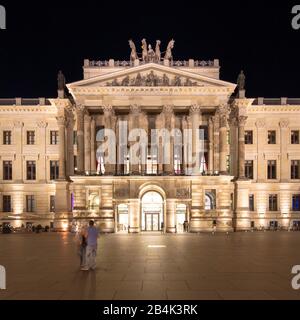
[{"x": 43, "y": 37}]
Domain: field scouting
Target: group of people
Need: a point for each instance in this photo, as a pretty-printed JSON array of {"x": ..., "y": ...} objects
[{"x": 87, "y": 243}]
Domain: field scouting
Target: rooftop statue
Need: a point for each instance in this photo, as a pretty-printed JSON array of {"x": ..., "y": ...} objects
[
  {"x": 145, "y": 51},
  {"x": 241, "y": 81},
  {"x": 133, "y": 54},
  {"x": 151, "y": 54},
  {"x": 157, "y": 51},
  {"x": 168, "y": 55},
  {"x": 61, "y": 81}
]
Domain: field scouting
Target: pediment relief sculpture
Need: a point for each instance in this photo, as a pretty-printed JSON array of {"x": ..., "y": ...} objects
[{"x": 152, "y": 80}]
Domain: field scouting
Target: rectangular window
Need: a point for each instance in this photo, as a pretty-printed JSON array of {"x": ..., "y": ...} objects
[
  {"x": 203, "y": 133},
  {"x": 249, "y": 169},
  {"x": 30, "y": 137},
  {"x": 7, "y": 170},
  {"x": 251, "y": 202},
  {"x": 75, "y": 163},
  {"x": 272, "y": 169},
  {"x": 6, "y": 203},
  {"x": 52, "y": 203},
  {"x": 295, "y": 166},
  {"x": 273, "y": 202},
  {"x": 296, "y": 202},
  {"x": 249, "y": 137},
  {"x": 228, "y": 163},
  {"x": 31, "y": 170},
  {"x": 54, "y": 170},
  {"x": 295, "y": 137},
  {"x": 30, "y": 203},
  {"x": 74, "y": 137},
  {"x": 6, "y": 137},
  {"x": 53, "y": 137},
  {"x": 272, "y": 137}
]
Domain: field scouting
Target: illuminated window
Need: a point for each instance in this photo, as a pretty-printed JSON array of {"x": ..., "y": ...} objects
[
  {"x": 6, "y": 137},
  {"x": 249, "y": 137},
  {"x": 295, "y": 137},
  {"x": 296, "y": 202},
  {"x": 31, "y": 170},
  {"x": 30, "y": 137},
  {"x": 272, "y": 137},
  {"x": 295, "y": 166},
  {"x": 272, "y": 169},
  {"x": 210, "y": 200},
  {"x": 249, "y": 169},
  {"x": 273, "y": 202},
  {"x": 53, "y": 137},
  {"x": 7, "y": 170},
  {"x": 54, "y": 170}
]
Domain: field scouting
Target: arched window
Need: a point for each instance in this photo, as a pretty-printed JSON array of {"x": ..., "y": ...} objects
[{"x": 209, "y": 201}]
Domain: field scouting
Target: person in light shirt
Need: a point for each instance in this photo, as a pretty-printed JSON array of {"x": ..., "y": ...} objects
[{"x": 92, "y": 234}]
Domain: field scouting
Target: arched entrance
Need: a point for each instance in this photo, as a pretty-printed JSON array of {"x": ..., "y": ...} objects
[{"x": 152, "y": 211}]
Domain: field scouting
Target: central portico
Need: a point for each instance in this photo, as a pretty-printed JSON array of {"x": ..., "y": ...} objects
[{"x": 149, "y": 195}]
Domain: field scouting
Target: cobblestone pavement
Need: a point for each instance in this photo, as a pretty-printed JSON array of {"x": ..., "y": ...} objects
[{"x": 152, "y": 266}]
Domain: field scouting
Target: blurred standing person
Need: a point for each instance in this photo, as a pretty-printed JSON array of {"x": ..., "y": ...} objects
[
  {"x": 82, "y": 244},
  {"x": 92, "y": 235}
]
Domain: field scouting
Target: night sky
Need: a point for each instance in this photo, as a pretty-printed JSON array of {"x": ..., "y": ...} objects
[{"x": 43, "y": 37}]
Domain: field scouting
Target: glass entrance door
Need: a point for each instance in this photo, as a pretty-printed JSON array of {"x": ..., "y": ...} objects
[{"x": 152, "y": 222}]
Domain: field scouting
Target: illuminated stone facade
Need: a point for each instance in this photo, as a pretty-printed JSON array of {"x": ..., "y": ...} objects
[{"x": 50, "y": 173}]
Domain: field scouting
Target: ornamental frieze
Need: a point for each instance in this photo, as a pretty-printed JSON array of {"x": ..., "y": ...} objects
[{"x": 152, "y": 80}]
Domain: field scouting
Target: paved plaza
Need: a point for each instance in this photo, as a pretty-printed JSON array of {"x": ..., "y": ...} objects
[{"x": 152, "y": 266}]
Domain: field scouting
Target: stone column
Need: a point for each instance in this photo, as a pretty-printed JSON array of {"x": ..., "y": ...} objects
[
  {"x": 216, "y": 122},
  {"x": 80, "y": 138},
  {"x": 241, "y": 125},
  {"x": 135, "y": 113},
  {"x": 70, "y": 144},
  {"x": 195, "y": 116},
  {"x": 87, "y": 143},
  {"x": 93, "y": 146},
  {"x": 223, "y": 113},
  {"x": 61, "y": 121},
  {"x": 210, "y": 145},
  {"x": 41, "y": 166},
  {"x": 170, "y": 216},
  {"x": 109, "y": 124},
  {"x": 261, "y": 138},
  {"x": 18, "y": 141},
  {"x": 234, "y": 152},
  {"x": 168, "y": 168},
  {"x": 284, "y": 160}
]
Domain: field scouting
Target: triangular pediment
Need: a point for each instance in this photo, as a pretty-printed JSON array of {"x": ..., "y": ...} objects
[{"x": 151, "y": 75}]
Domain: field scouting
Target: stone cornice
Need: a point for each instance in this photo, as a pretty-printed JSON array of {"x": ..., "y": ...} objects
[
  {"x": 272, "y": 109},
  {"x": 28, "y": 109},
  {"x": 159, "y": 91}
]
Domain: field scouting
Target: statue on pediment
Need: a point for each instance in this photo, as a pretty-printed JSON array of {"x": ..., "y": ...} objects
[
  {"x": 125, "y": 81},
  {"x": 115, "y": 83},
  {"x": 165, "y": 80},
  {"x": 133, "y": 54},
  {"x": 241, "y": 81},
  {"x": 61, "y": 81},
  {"x": 151, "y": 79},
  {"x": 145, "y": 51},
  {"x": 157, "y": 51},
  {"x": 151, "y": 54},
  {"x": 177, "y": 81},
  {"x": 138, "y": 80},
  {"x": 168, "y": 54},
  {"x": 188, "y": 82}
]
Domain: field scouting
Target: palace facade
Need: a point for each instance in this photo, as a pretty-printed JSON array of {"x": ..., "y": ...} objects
[{"x": 249, "y": 176}]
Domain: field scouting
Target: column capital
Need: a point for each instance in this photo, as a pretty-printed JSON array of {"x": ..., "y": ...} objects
[
  {"x": 168, "y": 108},
  {"x": 80, "y": 107},
  {"x": 195, "y": 108},
  {"x": 61, "y": 120},
  {"x": 18, "y": 124},
  {"x": 135, "y": 109},
  {"x": 261, "y": 123},
  {"x": 42, "y": 124},
  {"x": 108, "y": 109},
  {"x": 241, "y": 120},
  {"x": 284, "y": 123}
]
